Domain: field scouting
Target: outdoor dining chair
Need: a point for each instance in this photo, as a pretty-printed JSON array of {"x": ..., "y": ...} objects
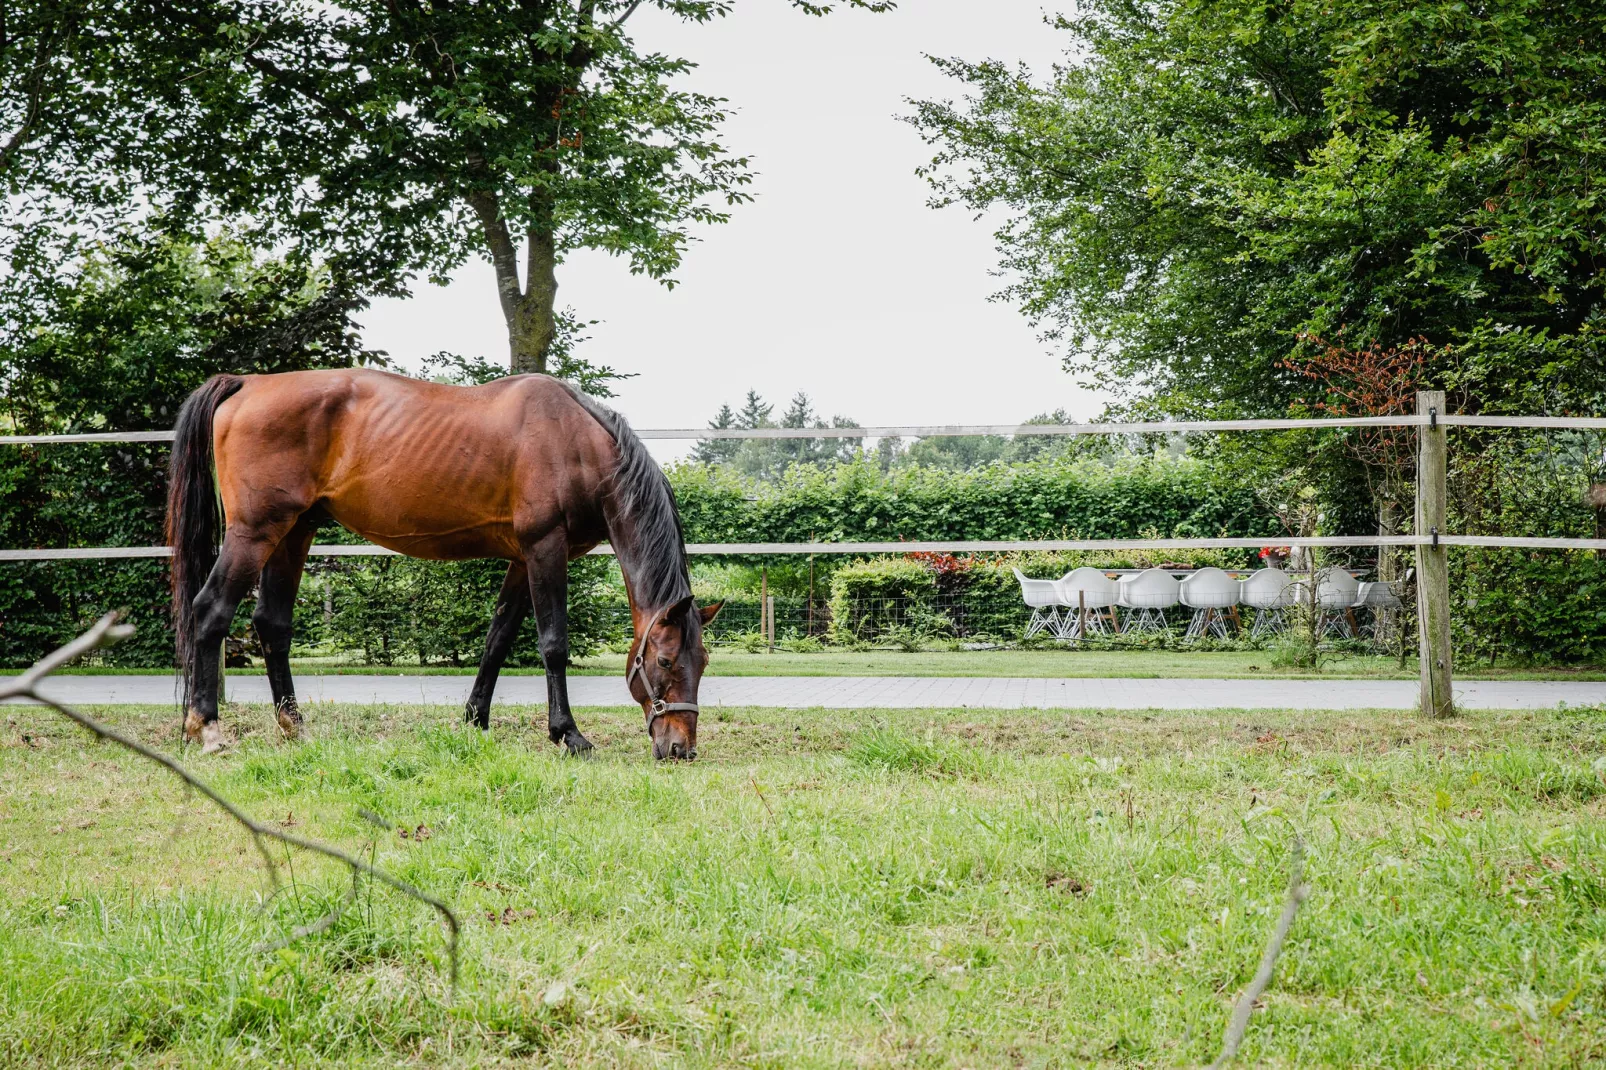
[
  {"x": 1147, "y": 596},
  {"x": 1337, "y": 593},
  {"x": 1043, "y": 596},
  {"x": 1378, "y": 596},
  {"x": 1089, "y": 596},
  {"x": 1268, "y": 591},
  {"x": 1209, "y": 592}
]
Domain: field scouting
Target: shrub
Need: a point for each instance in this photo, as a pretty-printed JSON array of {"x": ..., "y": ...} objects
[
  {"x": 394, "y": 608},
  {"x": 871, "y": 596},
  {"x": 1529, "y": 605}
]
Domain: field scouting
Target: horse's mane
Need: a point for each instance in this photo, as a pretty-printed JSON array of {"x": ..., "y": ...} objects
[{"x": 657, "y": 547}]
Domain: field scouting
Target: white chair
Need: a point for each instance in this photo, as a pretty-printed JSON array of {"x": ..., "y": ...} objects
[
  {"x": 1337, "y": 593},
  {"x": 1041, "y": 595},
  {"x": 1088, "y": 596},
  {"x": 1147, "y": 596},
  {"x": 1208, "y": 592},
  {"x": 1268, "y": 591},
  {"x": 1379, "y": 597}
]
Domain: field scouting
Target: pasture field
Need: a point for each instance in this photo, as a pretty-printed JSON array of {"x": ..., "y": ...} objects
[{"x": 820, "y": 889}]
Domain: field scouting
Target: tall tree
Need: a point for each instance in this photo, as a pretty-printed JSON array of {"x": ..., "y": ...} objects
[
  {"x": 718, "y": 450},
  {"x": 1200, "y": 184},
  {"x": 395, "y": 136}
]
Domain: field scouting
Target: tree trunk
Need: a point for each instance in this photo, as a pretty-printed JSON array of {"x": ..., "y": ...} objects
[
  {"x": 531, "y": 330},
  {"x": 1388, "y": 523},
  {"x": 528, "y": 309}
]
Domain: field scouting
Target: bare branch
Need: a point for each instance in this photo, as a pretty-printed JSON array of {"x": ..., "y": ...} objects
[
  {"x": 107, "y": 631},
  {"x": 620, "y": 21},
  {"x": 1297, "y": 892}
]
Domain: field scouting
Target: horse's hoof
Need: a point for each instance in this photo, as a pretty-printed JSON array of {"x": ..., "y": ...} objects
[
  {"x": 192, "y": 726},
  {"x": 579, "y": 746},
  {"x": 213, "y": 741},
  {"x": 289, "y": 725}
]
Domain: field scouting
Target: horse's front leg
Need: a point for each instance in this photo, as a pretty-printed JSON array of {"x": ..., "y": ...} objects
[{"x": 548, "y": 565}]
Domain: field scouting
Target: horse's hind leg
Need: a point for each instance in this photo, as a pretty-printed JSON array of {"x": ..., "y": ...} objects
[
  {"x": 276, "y": 603},
  {"x": 512, "y": 607},
  {"x": 239, "y": 562},
  {"x": 548, "y": 563}
]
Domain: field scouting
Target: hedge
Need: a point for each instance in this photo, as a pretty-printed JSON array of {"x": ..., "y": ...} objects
[{"x": 1054, "y": 498}]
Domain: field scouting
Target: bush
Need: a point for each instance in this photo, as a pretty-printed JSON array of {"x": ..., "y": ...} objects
[
  {"x": 44, "y": 604},
  {"x": 1542, "y": 606},
  {"x": 394, "y": 608},
  {"x": 871, "y": 597}
]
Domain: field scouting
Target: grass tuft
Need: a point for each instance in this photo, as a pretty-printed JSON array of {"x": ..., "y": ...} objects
[{"x": 882, "y": 748}]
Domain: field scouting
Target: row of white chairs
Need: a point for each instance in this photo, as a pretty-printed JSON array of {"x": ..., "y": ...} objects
[{"x": 1086, "y": 601}]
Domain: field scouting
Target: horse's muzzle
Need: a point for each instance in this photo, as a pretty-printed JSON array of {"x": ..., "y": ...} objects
[{"x": 673, "y": 748}]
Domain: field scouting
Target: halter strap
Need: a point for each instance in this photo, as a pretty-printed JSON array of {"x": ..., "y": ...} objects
[{"x": 659, "y": 707}]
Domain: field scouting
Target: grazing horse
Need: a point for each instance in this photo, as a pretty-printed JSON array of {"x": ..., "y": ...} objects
[{"x": 526, "y": 468}]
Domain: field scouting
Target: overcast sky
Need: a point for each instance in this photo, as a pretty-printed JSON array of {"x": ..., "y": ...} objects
[{"x": 838, "y": 279}]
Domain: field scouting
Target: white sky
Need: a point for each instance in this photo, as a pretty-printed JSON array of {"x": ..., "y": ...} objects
[{"x": 837, "y": 280}]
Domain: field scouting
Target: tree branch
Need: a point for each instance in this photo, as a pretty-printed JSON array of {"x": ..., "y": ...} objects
[
  {"x": 107, "y": 631},
  {"x": 1297, "y": 891},
  {"x": 499, "y": 240},
  {"x": 620, "y": 21},
  {"x": 36, "y": 88}
]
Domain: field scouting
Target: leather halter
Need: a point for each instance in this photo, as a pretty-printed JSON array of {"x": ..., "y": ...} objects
[{"x": 659, "y": 707}]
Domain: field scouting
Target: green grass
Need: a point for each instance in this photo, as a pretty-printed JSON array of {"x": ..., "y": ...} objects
[
  {"x": 904, "y": 888},
  {"x": 1061, "y": 662}
]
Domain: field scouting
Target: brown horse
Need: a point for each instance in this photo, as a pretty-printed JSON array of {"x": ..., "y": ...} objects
[{"x": 527, "y": 469}]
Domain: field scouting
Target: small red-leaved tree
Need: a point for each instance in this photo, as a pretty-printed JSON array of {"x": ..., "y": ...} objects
[{"x": 1377, "y": 380}]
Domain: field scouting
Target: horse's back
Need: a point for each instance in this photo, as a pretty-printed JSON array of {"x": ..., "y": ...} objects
[{"x": 426, "y": 468}]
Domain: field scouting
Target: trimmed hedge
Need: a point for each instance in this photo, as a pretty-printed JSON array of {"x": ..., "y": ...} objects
[{"x": 1049, "y": 499}]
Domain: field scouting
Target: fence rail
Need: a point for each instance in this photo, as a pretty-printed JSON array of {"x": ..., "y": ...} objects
[{"x": 665, "y": 434}]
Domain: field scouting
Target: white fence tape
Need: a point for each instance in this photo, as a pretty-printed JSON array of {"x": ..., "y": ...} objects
[
  {"x": 1552, "y": 423},
  {"x": 88, "y": 553}
]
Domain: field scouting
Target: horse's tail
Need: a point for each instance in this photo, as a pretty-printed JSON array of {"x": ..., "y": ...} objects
[{"x": 193, "y": 512}]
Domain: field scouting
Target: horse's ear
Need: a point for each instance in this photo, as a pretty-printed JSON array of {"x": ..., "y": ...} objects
[
  {"x": 710, "y": 612},
  {"x": 677, "y": 612}
]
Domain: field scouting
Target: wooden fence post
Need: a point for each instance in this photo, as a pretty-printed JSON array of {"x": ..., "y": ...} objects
[{"x": 1432, "y": 565}]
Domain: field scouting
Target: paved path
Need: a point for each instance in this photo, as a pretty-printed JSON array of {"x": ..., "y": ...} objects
[{"x": 855, "y": 692}]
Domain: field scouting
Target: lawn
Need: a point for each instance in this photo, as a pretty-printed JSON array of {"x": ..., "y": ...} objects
[
  {"x": 1057, "y": 662},
  {"x": 903, "y": 888}
]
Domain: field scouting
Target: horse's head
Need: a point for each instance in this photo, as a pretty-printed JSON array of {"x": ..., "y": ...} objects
[{"x": 666, "y": 666}]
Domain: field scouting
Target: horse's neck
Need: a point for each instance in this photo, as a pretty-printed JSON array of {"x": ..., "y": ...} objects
[{"x": 634, "y": 563}]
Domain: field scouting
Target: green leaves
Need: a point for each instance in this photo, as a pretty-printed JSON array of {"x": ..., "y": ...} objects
[{"x": 1203, "y": 182}]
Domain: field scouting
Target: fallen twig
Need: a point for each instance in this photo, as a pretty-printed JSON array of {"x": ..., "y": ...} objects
[
  {"x": 107, "y": 631},
  {"x": 1297, "y": 892}
]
